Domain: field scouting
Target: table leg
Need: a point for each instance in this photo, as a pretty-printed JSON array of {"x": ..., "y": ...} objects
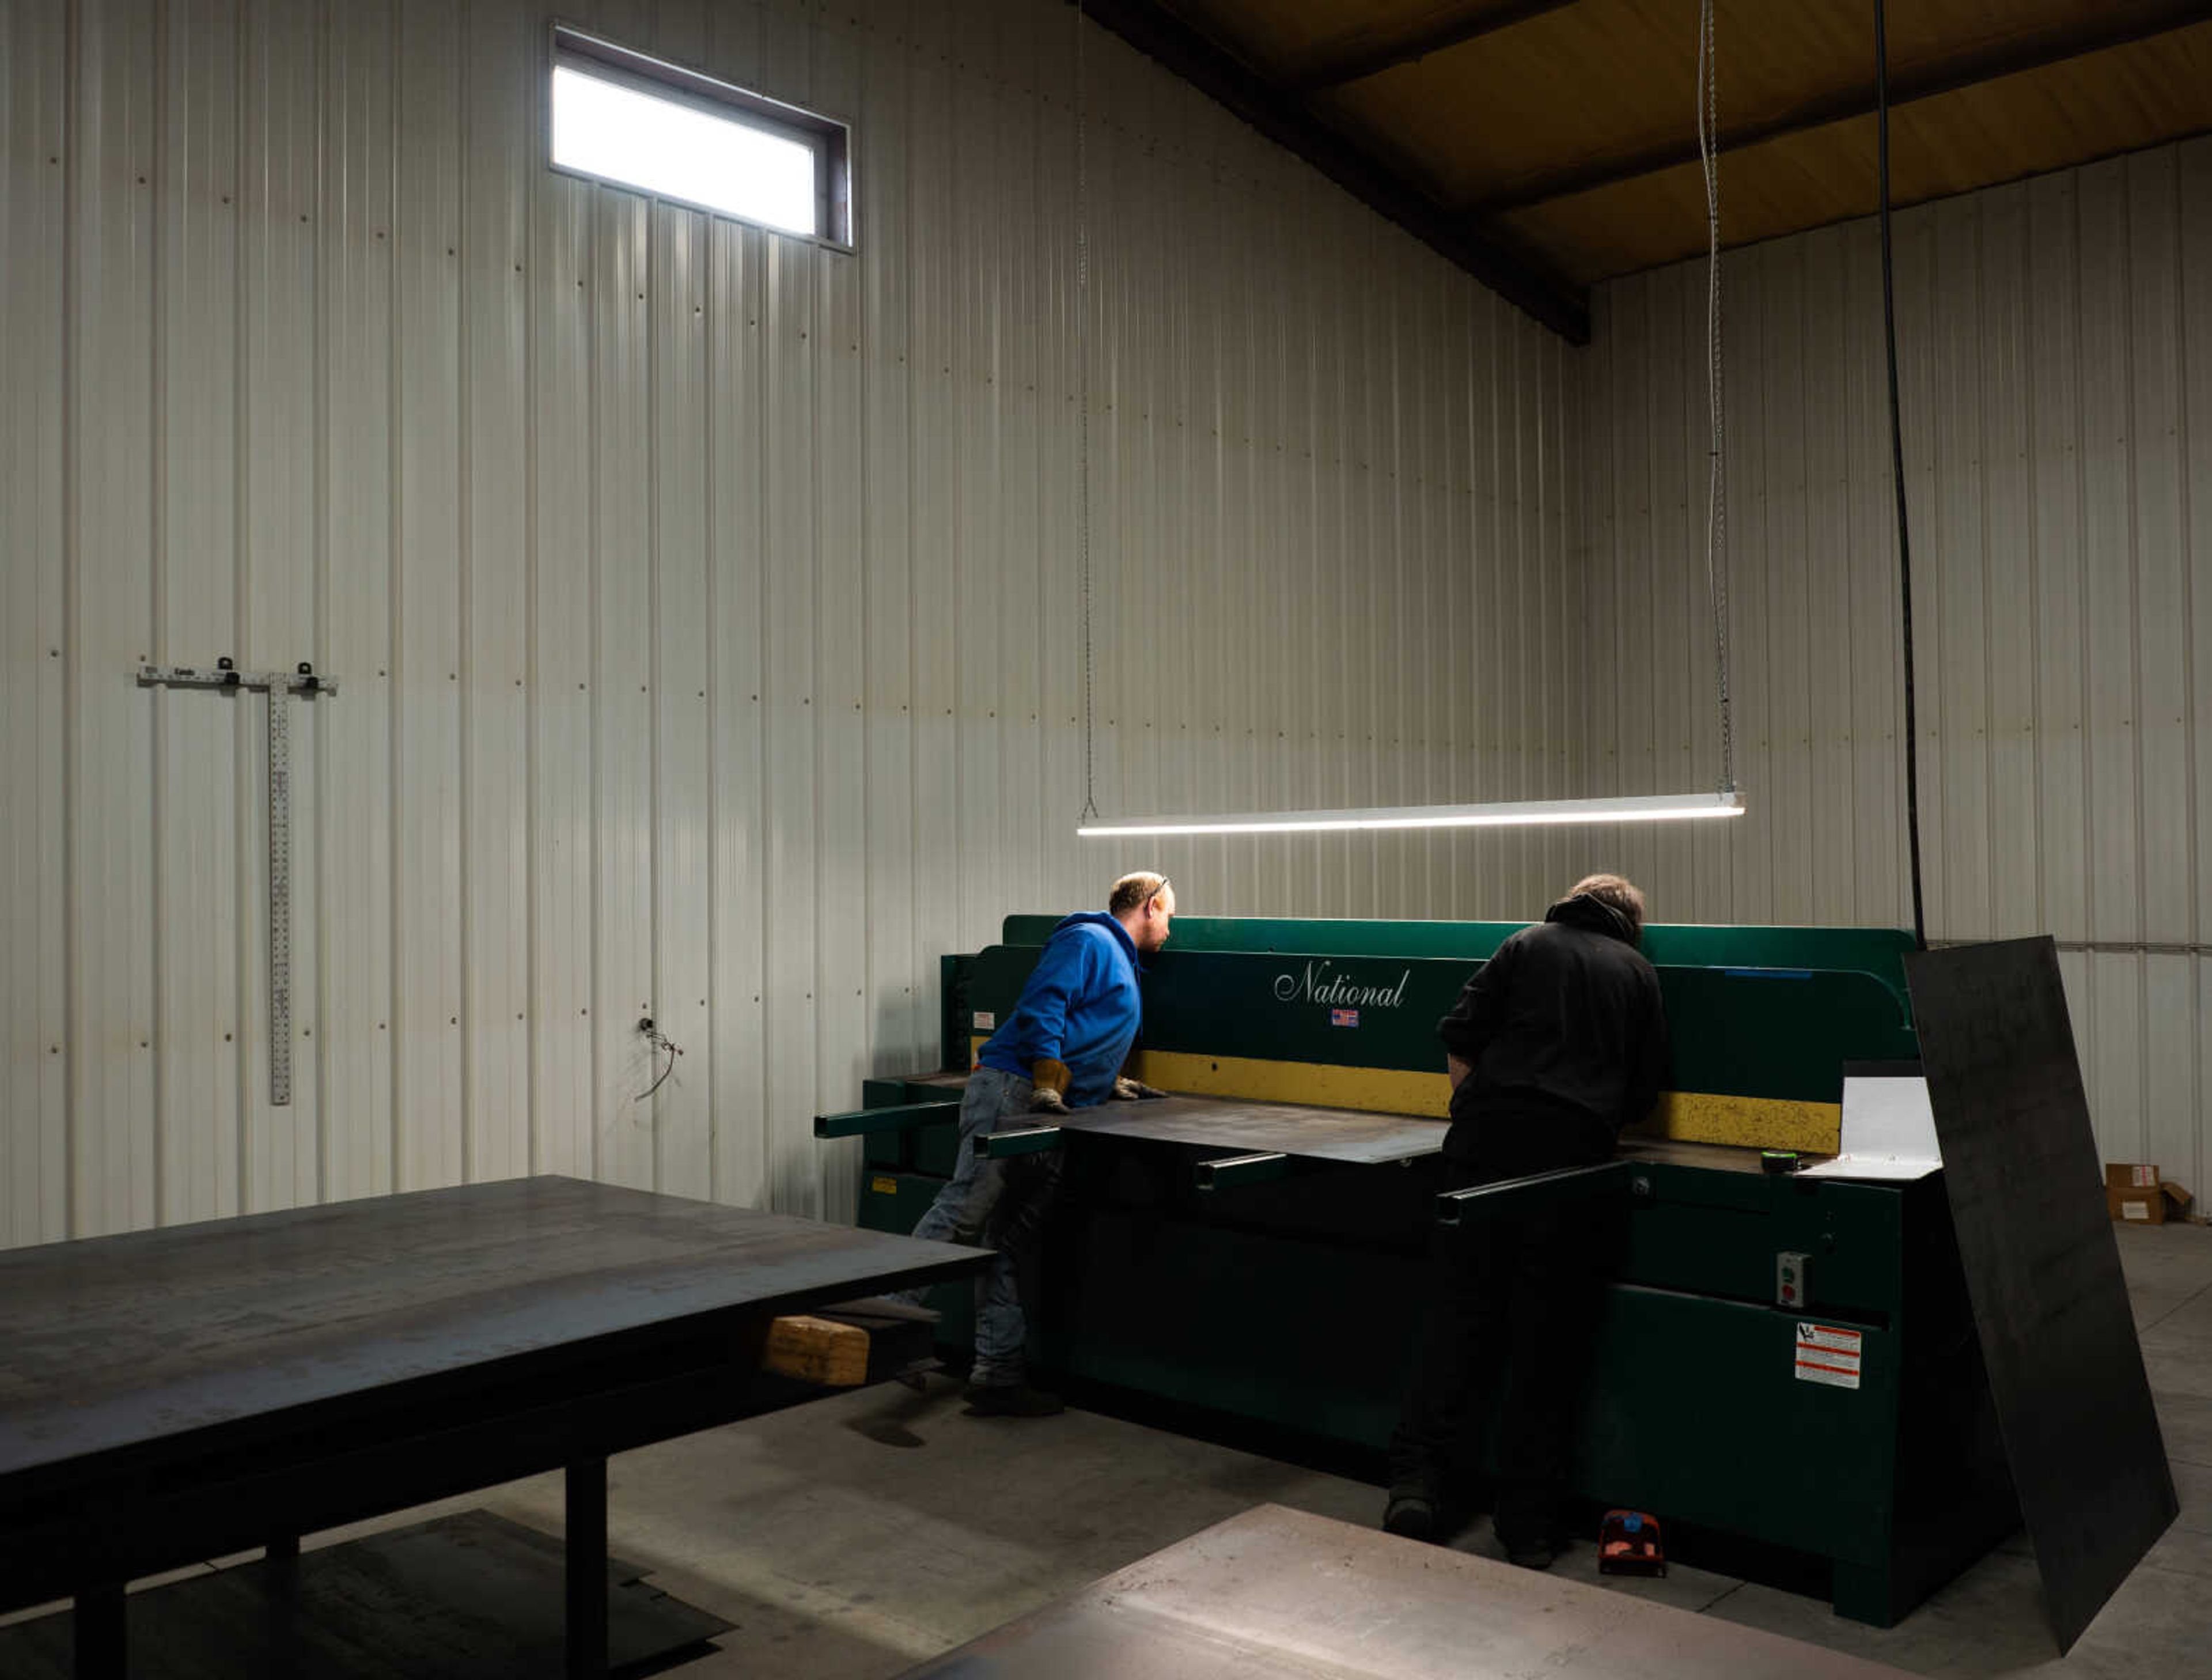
[
  {"x": 588, "y": 1569},
  {"x": 97, "y": 1628}
]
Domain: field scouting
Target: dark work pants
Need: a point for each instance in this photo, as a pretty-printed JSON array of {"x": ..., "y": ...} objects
[
  {"x": 1002, "y": 1205},
  {"x": 1510, "y": 1322}
]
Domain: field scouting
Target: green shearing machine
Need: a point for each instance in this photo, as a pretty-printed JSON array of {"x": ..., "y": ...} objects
[{"x": 1786, "y": 1361}]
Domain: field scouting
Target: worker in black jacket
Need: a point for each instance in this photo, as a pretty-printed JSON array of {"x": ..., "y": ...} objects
[{"x": 1558, "y": 1042}]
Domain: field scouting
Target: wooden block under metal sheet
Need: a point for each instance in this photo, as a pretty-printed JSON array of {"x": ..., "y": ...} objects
[
  {"x": 1278, "y": 1594},
  {"x": 817, "y": 1350}
]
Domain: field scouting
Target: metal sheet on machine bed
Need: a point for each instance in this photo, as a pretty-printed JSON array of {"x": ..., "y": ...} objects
[
  {"x": 125, "y": 1341},
  {"x": 1279, "y": 1593},
  {"x": 1287, "y": 1128}
]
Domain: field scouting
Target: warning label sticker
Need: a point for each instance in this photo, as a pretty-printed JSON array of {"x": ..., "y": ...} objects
[
  {"x": 1828, "y": 1355},
  {"x": 985, "y": 1021}
]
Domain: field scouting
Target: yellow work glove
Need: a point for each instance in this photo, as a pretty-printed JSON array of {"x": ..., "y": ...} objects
[
  {"x": 1135, "y": 1090},
  {"x": 1050, "y": 1080}
]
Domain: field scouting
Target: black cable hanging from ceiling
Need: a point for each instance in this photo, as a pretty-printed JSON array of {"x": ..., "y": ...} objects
[{"x": 1897, "y": 473}]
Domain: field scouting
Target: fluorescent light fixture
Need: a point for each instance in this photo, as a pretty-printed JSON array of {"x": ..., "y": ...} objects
[
  {"x": 1520, "y": 813},
  {"x": 676, "y": 150}
]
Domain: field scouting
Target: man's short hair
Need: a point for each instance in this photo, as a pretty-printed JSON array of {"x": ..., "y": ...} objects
[
  {"x": 1133, "y": 890},
  {"x": 1618, "y": 893}
]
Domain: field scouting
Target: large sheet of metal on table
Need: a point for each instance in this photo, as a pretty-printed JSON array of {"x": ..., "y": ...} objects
[
  {"x": 1286, "y": 1128},
  {"x": 119, "y": 1341},
  {"x": 2043, "y": 1268},
  {"x": 1277, "y": 1593}
]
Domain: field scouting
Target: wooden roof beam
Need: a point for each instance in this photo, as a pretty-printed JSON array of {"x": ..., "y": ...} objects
[
  {"x": 1365, "y": 53},
  {"x": 2118, "y": 24},
  {"x": 1154, "y": 31}
]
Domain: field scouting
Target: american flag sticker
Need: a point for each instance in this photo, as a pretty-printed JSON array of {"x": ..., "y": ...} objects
[{"x": 1344, "y": 1018}]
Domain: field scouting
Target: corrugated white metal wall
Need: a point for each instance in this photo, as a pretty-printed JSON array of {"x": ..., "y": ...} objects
[
  {"x": 2055, "y": 344},
  {"x": 705, "y": 602}
]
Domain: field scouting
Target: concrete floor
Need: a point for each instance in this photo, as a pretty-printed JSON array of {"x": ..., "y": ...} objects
[{"x": 852, "y": 1538}]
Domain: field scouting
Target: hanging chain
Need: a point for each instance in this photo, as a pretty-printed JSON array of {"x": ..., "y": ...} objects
[
  {"x": 1708, "y": 124},
  {"x": 1082, "y": 419}
]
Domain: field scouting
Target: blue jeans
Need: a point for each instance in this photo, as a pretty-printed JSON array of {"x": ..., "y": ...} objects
[{"x": 1000, "y": 1205}]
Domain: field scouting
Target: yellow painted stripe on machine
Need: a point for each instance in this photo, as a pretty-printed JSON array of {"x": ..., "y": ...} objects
[
  {"x": 1318, "y": 1085},
  {"x": 1751, "y": 1122},
  {"x": 1686, "y": 1117}
]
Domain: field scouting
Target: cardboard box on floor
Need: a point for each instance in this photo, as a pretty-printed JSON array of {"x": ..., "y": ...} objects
[{"x": 2136, "y": 1194}]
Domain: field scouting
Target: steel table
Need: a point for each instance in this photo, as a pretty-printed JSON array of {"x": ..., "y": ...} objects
[{"x": 171, "y": 1395}]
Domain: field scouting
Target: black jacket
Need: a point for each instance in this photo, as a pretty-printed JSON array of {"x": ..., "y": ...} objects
[{"x": 1567, "y": 1038}]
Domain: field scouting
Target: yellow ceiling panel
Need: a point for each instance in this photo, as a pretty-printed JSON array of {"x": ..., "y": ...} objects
[
  {"x": 2120, "y": 99},
  {"x": 1609, "y": 78},
  {"x": 1563, "y": 130}
]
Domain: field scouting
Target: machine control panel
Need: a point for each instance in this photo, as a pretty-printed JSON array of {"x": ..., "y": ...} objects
[{"x": 1790, "y": 1288}]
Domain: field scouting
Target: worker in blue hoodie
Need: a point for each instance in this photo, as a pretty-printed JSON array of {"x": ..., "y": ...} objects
[{"x": 1062, "y": 1048}]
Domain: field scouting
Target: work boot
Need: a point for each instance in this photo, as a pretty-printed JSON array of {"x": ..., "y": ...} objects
[
  {"x": 1411, "y": 1514},
  {"x": 1011, "y": 1400}
]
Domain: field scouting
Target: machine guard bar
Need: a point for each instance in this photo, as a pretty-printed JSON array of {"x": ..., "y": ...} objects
[
  {"x": 1227, "y": 1170},
  {"x": 904, "y": 1118},
  {"x": 1573, "y": 1184},
  {"x": 1019, "y": 1140}
]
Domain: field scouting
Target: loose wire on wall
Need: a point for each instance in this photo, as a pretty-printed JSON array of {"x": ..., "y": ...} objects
[{"x": 659, "y": 1041}]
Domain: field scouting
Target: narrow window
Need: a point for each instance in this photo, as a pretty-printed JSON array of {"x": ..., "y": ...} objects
[{"x": 619, "y": 116}]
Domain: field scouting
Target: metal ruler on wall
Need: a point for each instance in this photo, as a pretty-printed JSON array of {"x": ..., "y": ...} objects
[{"x": 279, "y": 685}]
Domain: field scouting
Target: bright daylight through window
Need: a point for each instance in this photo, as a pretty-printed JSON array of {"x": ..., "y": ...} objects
[{"x": 640, "y": 122}]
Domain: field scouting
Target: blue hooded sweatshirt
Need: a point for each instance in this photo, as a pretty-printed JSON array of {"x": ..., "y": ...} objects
[{"x": 1080, "y": 1007}]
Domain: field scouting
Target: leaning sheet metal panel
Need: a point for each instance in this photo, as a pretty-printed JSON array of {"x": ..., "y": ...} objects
[
  {"x": 1281, "y": 1592},
  {"x": 2042, "y": 1268},
  {"x": 153, "y": 1336}
]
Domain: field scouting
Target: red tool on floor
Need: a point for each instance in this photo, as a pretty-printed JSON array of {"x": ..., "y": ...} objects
[{"x": 1629, "y": 1544}]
